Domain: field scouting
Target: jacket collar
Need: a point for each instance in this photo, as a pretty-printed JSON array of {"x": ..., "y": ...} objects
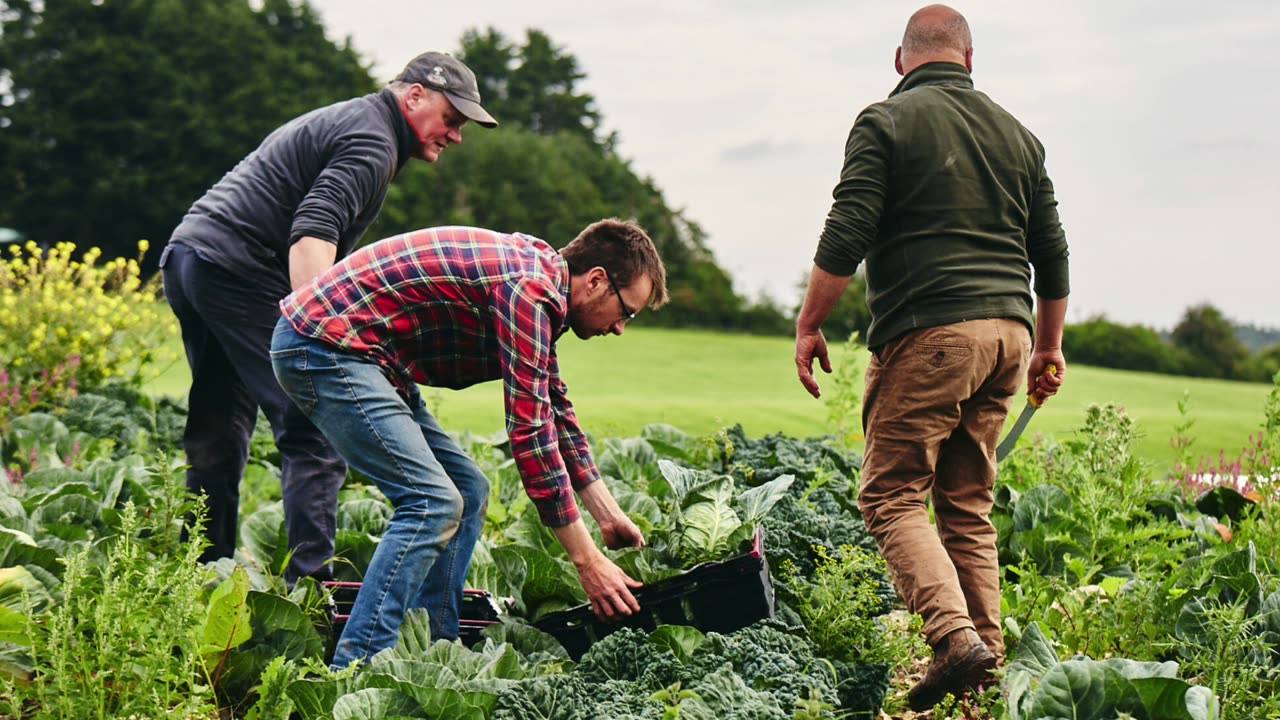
[
  {"x": 935, "y": 73},
  {"x": 407, "y": 142}
]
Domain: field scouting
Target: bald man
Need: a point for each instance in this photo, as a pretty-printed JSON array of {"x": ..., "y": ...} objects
[{"x": 945, "y": 197}]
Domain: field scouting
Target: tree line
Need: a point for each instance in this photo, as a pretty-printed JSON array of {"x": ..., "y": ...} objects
[
  {"x": 116, "y": 115},
  {"x": 1204, "y": 343}
]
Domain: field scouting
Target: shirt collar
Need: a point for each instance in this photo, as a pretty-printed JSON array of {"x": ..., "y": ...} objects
[
  {"x": 935, "y": 73},
  {"x": 564, "y": 284}
]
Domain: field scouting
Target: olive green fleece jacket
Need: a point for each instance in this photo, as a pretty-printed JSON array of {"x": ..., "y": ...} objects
[{"x": 944, "y": 194}]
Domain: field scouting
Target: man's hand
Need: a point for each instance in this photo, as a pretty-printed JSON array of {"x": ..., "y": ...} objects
[
  {"x": 608, "y": 588},
  {"x": 821, "y": 297},
  {"x": 809, "y": 346},
  {"x": 617, "y": 529},
  {"x": 621, "y": 533},
  {"x": 1043, "y": 384},
  {"x": 1050, "y": 317}
]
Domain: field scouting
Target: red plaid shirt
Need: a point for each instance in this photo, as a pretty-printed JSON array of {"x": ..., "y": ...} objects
[{"x": 455, "y": 306}]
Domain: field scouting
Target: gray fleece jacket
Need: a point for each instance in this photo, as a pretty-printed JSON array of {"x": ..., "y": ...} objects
[{"x": 324, "y": 174}]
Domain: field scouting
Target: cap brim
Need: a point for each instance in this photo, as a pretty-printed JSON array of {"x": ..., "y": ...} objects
[{"x": 471, "y": 110}]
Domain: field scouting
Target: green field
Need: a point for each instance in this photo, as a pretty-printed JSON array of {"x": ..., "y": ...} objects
[{"x": 701, "y": 381}]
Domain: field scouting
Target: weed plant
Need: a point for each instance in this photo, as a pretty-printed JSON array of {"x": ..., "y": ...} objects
[
  {"x": 1111, "y": 491},
  {"x": 844, "y": 396},
  {"x": 123, "y": 642},
  {"x": 1095, "y": 615},
  {"x": 1230, "y": 657},
  {"x": 840, "y": 605},
  {"x": 1117, "y": 594}
]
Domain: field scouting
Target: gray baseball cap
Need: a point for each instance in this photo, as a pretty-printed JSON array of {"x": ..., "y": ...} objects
[{"x": 446, "y": 73}]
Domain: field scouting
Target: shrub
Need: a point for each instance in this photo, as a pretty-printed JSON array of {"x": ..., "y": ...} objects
[{"x": 78, "y": 321}]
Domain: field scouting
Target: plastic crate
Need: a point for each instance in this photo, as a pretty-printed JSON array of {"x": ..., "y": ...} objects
[
  {"x": 477, "y": 605},
  {"x": 714, "y": 597},
  {"x": 478, "y": 611}
]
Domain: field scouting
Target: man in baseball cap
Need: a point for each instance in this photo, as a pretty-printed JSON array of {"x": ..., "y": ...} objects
[
  {"x": 282, "y": 216},
  {"x": 447, "y": 74}
]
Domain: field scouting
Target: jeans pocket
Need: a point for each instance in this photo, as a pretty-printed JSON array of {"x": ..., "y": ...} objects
[{"x": 290, "y": 366}]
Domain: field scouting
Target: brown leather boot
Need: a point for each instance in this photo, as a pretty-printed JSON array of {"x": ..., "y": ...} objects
[{"x": 960, "y": 661}]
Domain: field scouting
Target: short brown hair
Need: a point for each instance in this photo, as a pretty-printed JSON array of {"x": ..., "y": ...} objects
[{"x": 623, "y": 249}]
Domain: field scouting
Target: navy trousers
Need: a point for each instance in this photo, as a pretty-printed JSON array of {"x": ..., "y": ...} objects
[{"x": 227, "y": 322}]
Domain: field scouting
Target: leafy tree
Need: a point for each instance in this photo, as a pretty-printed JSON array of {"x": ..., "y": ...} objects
[
  {"x": 545, "y": 172},
  {"x": 1102, "y": 343},
  {"x": 1211, "y": 344},
  {"x": 533, "y": 85},
  {"x": 120, "y": 113},
  {"x": 1263, "y": 365}
]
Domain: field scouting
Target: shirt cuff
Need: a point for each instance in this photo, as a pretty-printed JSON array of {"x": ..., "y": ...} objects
[
  {"x": 830, "y": 260},
  {"x": 557, "y": 512}
]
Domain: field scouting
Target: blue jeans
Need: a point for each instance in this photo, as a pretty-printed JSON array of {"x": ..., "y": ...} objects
[{"x": 438, "y": 491}]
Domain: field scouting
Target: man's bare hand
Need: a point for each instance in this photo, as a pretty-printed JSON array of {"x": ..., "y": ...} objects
[
  {"x": 810, "y": 346},
  {"x": 621, "y": 533},
  {"x": 1045, "y": 385},
  {"x": 608, "y": 588}
]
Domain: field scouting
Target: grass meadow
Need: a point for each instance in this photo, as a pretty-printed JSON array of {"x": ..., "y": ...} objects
[{"x": 701, "y": 381}]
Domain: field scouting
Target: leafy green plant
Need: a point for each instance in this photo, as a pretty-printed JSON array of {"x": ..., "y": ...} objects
[
  {"x": 840, "y": 603},
  {"x": 985, "y": 703},
  {"x": 759, "y": 460},
  {"x": 753, "y": 673},
  {"x": 844, "y": 394},
  {"x": 709, "y": 519},
  {"x": 123, "y": 641},
  {"x": 812, "y": 707},
  {"x": 414, "y": 678},
  {"x": 273, "y": 698},
  {"x": 1231, "y": 648},
  {"x": 1039, "y": 685},
  {"x": 671, "y": 697}
]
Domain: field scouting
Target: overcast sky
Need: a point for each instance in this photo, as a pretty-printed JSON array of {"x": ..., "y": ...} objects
[{"x": 1159, "y": 119}]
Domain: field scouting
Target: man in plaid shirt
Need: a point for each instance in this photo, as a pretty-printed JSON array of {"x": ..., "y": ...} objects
[{"x": 451, "y": 307}]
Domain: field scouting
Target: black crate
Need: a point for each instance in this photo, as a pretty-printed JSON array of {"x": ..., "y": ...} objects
[
  {"x": 478, "y": 611},
  {"x": 477, "y": 605},
  {"x": 714, "y": 597}
]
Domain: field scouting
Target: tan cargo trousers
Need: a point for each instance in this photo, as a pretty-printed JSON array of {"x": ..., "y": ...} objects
[{"x": 935, "y": 402}]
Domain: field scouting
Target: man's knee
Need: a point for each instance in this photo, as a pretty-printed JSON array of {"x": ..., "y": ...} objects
[{"x": 475, "y": 493}]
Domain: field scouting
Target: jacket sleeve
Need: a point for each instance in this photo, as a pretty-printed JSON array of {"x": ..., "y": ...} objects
[
  {"x": 1047, "y": 243},
  {"x": 357, "y": 175},
  {"x": 854, "y": 219}
]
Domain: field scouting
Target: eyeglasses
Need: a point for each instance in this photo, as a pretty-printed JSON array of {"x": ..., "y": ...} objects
[{"x": 627, "y": 313}]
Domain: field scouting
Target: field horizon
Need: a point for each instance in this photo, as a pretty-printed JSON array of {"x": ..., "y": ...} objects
[{"x": 701, "y": 381}]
